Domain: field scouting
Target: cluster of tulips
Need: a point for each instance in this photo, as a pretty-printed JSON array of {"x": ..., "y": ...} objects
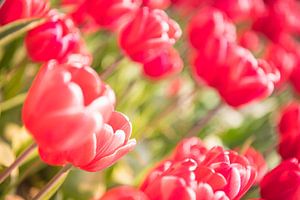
[{"x": 244, "y": 49}]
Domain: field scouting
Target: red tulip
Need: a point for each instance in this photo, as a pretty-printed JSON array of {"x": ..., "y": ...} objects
[
  {"x": 282, "y": 17},
  {"x": 66, "y": 105},
  {"x": 226, "y": 171},
  {"x": 283, "y": 182},
  {"x": 256, "y": 159},
  {"x": 234, "y": 72},
  {"x": 289, "y": 131},
  {"x": 239, "y": 10},
  {"x": 54, "y": 39},
  {"x": 112, "y": 14},
  {"x": 283, "y": 60},
  {"x": 100, "y": 151},
  {"x": 215, "y": 174},
  {"x": 190, "y": 148},
  {"x": 12, "y": 10},
  {"x": 124, "y": 193},
  {"x": 171, "y": 180},
  {"x": 250, "y": 39},
  {"x": 295, "y": 77},
  {"x": 165, "y": 64},
  {"x": 160, "y": 4},
  {"x": 208, "y": 23},
  {"x": 147, "y": 34}
]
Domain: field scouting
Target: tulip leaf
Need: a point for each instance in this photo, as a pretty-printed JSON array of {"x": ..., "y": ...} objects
[
  {"x": 47, "y": 195},
  {"x": 13, "y": 30}
]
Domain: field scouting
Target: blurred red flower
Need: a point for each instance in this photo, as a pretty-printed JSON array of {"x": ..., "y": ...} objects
[
  {"x": 289, "y": 131},
  {"x": 160, "y": 4},
  {"x": 147, "y": 34},
  {"x": 54, "y": 39},
  {"x": 112, "y": 14},
  {"x": 234, "y": 72},
  {"x": 13, "y": 10},
  {"x": 165, "y": 64},
  {"x": 209, "y": 23},
  {"x": 283, "y": 182}
]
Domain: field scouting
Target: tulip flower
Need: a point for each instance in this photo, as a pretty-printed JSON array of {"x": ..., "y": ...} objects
[
  {"x": 256, "y": 159},
  {"x": 54, "y": 39},
  {"x": 167, "y": 63},
  {"x": 112, "y": 14},
  {"x": 70, "y": 93},
  {"x": 218, "y": 174},
  {"x": 70, "y": 113},
  {"x": 295, "y": 77},
  {"x": 289, "y": 131},
  {"x": 124, "y": 193},
  {"x": 283, "y": 60},
  {"x": 234, "y": 72},
  {"x": 239, "y": 10},
  {"x": 190, "y": 148},
  {"x": 147, "y": 34},
  {"x": 160, "y": 4},
  {"x": 283, "y": 182},
  {"x": 13, "y": 10},
  {"x": 208, "y": 23}
]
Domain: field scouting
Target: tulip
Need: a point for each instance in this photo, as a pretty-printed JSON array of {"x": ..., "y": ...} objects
[
  {"x": 283, "y": 182},
  {"x": 283, "y": 60},
  {"x": 190, "y": 148},
  {"x": 167, "y": 63},
  {"x": 295, "y": 77},
  {"x": 289, "y": 131},
  {"x": 239, "y": 10},
  {"x": 250, "y": 39},
  {"x": 147, "y": 34},
  {"x": 66, "y": 105},
  {"x": 12, "y": 10},
  {"x": 160, "y": 4},
  {"x": 171, "y": 180},
  {"x": 112, "y": 14},
  {"x": 208, "y": 23},
  {"x": 54, "y": 39},
  {"x": 124, "y": 193},
  {"x": 100, "y": 151},
  {"x": 257, "y": 160},
  {"x": 234, "y": 72},
  {"x": 216, "y": 174}
]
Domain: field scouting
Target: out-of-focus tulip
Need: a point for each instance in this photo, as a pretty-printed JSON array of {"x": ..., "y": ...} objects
[
  {"x": 208, "y": 23},
  {"x": 124, "y": 193},
  {"x": 112, "y": 14},
  {"x": 234, "y": 72},
  {"x": 256, "y": 159},
  {"x": 13, "y": 10},
  {"x": 160, "y": 4},
  {"x": 295, "y": 77},
  {"x": 54, "y": 39},
  {"x": 165, "y": 64},
  {"x": 283, "y": 182},
  {"x": 147, "y": 34},
  {"x": 65, "y": 105},
  {"x": 283, "y": 60},
  {"x": 289, "y": 131},
  {"x": 281, "y": 17},
  {"x": 190, "y": 148},
  {"x": 239, "y": 10},
  {"x": 250, "y": 40}
]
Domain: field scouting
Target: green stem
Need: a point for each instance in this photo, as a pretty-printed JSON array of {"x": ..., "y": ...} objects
[
  {"x": 13, "y": 102},
  {"x": 53, "y": 182},
  {"x": 110, "y": 69},
  {"x": 17, "y": 162},
  {"x": 203, "y": 121}
]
